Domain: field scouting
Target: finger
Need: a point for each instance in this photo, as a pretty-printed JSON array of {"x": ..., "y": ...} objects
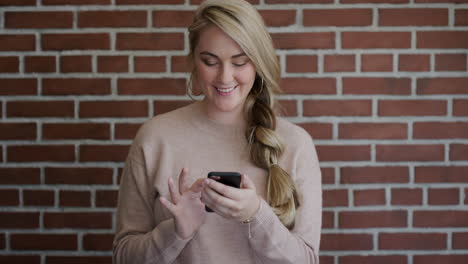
[
  {"x": 224, "y": 190},
  {"x": 168, "y": 205},
  {"x": 197, "y": 186},
  {"x": 246, "y": 182},
  {"x": 175, "y": 196},
  {"x": 182, "y": 176},
  {"x": 217, "y": 201}
]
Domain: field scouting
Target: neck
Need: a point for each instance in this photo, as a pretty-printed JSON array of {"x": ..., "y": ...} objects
[{"x": 235, "y": 117}]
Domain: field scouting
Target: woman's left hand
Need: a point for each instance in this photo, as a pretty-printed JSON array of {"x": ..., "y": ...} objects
[{"x": 233, "y": 203}]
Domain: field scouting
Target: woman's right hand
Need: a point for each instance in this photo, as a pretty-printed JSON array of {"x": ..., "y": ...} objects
[{"x": 186, "y": 207}]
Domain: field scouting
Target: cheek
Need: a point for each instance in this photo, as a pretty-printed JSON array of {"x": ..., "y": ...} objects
[{"x": 246, "y": 75}]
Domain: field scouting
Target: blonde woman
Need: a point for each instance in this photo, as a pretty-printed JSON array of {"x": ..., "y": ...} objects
[{"x": 275, "y": 215}]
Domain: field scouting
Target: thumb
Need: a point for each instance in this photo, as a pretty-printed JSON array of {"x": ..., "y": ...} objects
[{"x": 246, "y": 182}]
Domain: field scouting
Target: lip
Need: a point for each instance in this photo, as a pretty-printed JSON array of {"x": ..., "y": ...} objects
[{"x": 224, "y": 93}]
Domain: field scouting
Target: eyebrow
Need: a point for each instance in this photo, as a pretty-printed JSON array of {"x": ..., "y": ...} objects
[{"x": 213, "y": 55}]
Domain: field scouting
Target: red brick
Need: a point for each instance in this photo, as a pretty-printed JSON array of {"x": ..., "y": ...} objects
[
  {"x": 458, "y": 152},
  {"x": 14, "y": 86},
  {"x": 434, "y": 259},
  {"x": 37, "y": 19},
  {"x": 450, "y": 62},
  {"x": 376, "y": 40},
  {"x": 17, "y": 131},
  {"x": 77, "y": 63},
  {"x": 163, "y": 86},
  {"x": 44, "y": 242},
  {"x": 343, "y": 152},
  {"x": 38, "y": 153},
  {"x": 440, "y": 1},
  {"x": 17, "y": 42},
  {"x": 412, "y": 241},
  {"x": 460, "y": 240},
  {"x": 16, "y": 220},
  {"x": 197, "y": 2},
  {"x": 179, "y": 64},
  {"x": 376, "y": 62},
  {"x": 372, "y": 131},
  {"x": 369, "y": 197},
  {"x": 173, "y": 18},
  {"x": 372, "y": 219},
  {"x": 75, "y": 198},
  {"x": 410, "y": 152},
  {"x": 76, "y": 131},
  {"x": 378, "y": 175},
  {"x": 126, "y": 131},
  {"x": 113, "y": 109},
  {"x": 10, "y": 197},
  {"x": 161, "y": 107},
  {"x": 19, "y": 176},
  {"x": 344, "y": 242},
  {"x": 150, "y": 41},
  {"x": 414, "y": 62},
  {"x": 461, "y": 17},
  {"x": 407, "y": 196},
  {"x": 78, "y": 220},
  {"x": 112, "y": 64},
  {"x": 337, "y": 17},
  {"x": 144, "y": 2},
  {"x": 76, "y": 2},
  {"x": 39, "y": 64},
  {"x": 337, "y": 107},
  {"x": 318, "y": 130},
  {"x": 444, "y": 218},
  {"x": 38, "y": 197},
  {"x": 412, "y": 107},
  {"x": 445, "y": 196},
  {"x": 17, "y": 3},
  {"x": 2, "y": 241},
  {"x": 9, "y": 64},
  {"x": 375, "y": 85},
  {"x": 106, "y": 198},
  {"x": 278, "y": 18},
  {"x": 442, "y": 85},
  {"x": 308, "y": 85},
  {"x": 327, "y": 219},
  {"x": 76, "y": 41},
  {"x": 437, "y": 130},
  {"x": 101, "y": 242},
  {"x": 339, "y": 63},
  {"x": 370, "y": 259},
  {"x": 442, "y": 40},
  {"x": 301, "y": 63},
  {"x": 460, "y": 107},
  {"x": 76, "y": 86},
  {"x": 316, "y": 40},
  {"x": 435, "y": 174},
  {"x": 79, "y": 259},
  {"x": 117, "y": 153},
  {"x": 287, "y": 108},
  {"x": 150, "y": 64},
  {"x": 333, "y": 198},
  {"x": 374, "y": 1},
  {"x": 297, "y": 1},
  {"x": 413, "y": 17},
  {"x": 18, "y": 259},
  {"x": 83, "y": 176},
  {"x": 328, "y": 175},
  {"x": 97, "y": 19}
]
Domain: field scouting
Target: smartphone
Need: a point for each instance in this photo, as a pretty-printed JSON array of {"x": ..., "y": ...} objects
[{"x": 232, "y": 179}]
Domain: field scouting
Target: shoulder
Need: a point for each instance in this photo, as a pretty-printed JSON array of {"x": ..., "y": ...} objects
[{"x": 292, "y": 134}]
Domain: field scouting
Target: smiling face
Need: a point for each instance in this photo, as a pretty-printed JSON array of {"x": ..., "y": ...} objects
[{"x": 224, "y": 72}]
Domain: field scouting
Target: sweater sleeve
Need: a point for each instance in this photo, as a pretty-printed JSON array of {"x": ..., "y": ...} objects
[
  {"x": 138, "y": 238},
  {"x": 271, "y": 240}
]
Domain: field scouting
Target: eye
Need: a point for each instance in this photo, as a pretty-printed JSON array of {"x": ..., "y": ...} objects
[
  {"x": 209, "y": 63},
  {"x": 239, "y": 64}
]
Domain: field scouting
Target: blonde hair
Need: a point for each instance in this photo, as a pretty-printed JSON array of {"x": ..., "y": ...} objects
[{"x": 240, "y": 20}]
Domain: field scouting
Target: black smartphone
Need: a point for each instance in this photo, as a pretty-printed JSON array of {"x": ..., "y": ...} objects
[{"x": 232, "y": 179}]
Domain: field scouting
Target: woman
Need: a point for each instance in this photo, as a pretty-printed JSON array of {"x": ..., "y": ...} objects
[{"x": 275, "y": 215}]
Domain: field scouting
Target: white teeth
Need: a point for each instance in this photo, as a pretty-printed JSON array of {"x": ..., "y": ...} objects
[{"x": 225, "y": 90}]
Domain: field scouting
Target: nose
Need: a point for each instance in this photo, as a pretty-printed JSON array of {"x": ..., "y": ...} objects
[{"x": 225, "y": 75}]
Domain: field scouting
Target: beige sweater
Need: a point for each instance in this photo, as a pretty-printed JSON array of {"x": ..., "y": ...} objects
[{"x": 187, "y": 138}]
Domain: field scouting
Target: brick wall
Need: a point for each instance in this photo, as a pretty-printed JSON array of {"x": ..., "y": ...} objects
[{"x": 381, "y": 85}]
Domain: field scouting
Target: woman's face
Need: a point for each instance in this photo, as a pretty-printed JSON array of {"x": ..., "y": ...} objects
[{"x": 224, "y": 72}]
